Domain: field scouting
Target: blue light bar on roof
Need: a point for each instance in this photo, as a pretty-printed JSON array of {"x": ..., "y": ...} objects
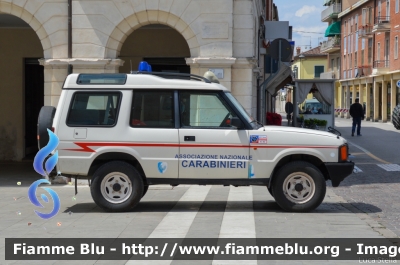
[{"x": 144, "y": 67}]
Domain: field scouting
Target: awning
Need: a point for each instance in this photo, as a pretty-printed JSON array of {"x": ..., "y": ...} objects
[
  {"x": 279, "y": 79},
  {"x": 333, "y": 29}
]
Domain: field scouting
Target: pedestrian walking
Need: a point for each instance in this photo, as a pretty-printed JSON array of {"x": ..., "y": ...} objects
[
  {"x": 289, "y": 111},
  {"x": 357, "y": 112}
]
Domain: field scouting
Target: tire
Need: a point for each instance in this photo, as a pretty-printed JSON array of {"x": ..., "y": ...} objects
[
  {"x": 396, "y": 117},
  {"x": 117, "y": 186},
  {"x": 307, "y": 194},
  {"x": 270, "y": 191},
  {"x": 145, "y": 189},
  {"x": 45, "y": 121}
]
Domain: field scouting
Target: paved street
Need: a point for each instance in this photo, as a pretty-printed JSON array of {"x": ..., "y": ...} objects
[
  {"x": 367, "y": 205},
  {"x": 374, "y": 190}
]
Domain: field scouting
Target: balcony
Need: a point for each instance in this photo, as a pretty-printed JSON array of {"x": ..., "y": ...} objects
[
  {"x": 364, "y": 70},
  {"x": 331, "y": 45},
  {"x": 329, "y": 75},
  {"x": 331, "y": 12},
  {"x": 365, "y": 32},
  {"x": 381, "y": 24},
  {"x": 380, "y": 67}
]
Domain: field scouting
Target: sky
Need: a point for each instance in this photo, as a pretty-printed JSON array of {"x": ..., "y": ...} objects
[{"x": 305, "y": 18}]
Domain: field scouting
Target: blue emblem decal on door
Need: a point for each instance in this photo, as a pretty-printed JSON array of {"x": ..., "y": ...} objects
[{"x": 162, "y": 167}]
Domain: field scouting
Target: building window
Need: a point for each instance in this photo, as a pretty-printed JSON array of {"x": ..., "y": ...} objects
[
  {"x": 349, "y": 43},
  {"x": 338, "y": 65},
  {"x": 387, "y": 8},
  {"x": 397, "y": 6},
  {"x": 344, "y": 74},
  {"x": 370, "y": 51},
  {"x": 362, "y": 57},
  {"x": 396, "y": 47},
  {"x": 332, "y": 64},
  {"x": 344, "y": 63},
  {"x": 364, "y": 16},
  {"x": 355, "y": 60},
  {"x": 379, "y": 8},
  {"x": 344, "y": 45},
  {"x": 350, "y": 61},
  {"x": 318, "y": 69},
  {"x": 378, "y": 53}
]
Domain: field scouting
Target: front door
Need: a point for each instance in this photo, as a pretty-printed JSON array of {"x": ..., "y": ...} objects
[{"x": 210, "y": 148}]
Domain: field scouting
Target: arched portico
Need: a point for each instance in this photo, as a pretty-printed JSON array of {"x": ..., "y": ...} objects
[
  {"x": 137, "y": 20},
  {"x": 48, "y": 27}
]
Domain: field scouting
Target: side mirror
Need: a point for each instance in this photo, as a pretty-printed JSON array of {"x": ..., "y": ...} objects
[{"x": 236, "y": 122}]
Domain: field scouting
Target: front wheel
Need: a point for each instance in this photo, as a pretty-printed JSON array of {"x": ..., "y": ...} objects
[
  {"x": 117, "y": 186},
  {"x": 299, "y": 187}
]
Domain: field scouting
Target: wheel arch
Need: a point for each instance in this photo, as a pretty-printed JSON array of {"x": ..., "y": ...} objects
[
  {"x": 116, "y": 156},
  {"x": 316, "y": 161}
]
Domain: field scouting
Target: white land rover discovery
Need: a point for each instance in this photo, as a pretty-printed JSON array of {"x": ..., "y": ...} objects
[{"x": 125, "y": 132}]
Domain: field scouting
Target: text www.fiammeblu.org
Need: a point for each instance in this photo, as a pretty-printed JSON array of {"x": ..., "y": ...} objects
[{"x": 233, "y": 249}]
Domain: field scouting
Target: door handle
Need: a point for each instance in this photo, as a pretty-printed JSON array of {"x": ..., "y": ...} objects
[{"x": 189, "y": 138}]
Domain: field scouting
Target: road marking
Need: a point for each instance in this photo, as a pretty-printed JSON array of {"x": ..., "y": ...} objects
[
  {"x": 357, "y": 169},
  {"x": 389, "y": 167},
  {"x": 177, "y": 223},
  {"x": 368, "y": 153},
  {"x": 238, "y": 223}
]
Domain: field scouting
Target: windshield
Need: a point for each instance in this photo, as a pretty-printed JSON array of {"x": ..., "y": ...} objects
[{"x": 239, "y": 107}]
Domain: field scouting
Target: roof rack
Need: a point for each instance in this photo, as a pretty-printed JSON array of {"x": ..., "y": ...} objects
[{"x": 190, "y": 76}]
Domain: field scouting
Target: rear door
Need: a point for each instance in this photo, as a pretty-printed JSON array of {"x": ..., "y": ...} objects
[{"x": 210, "y": 148}]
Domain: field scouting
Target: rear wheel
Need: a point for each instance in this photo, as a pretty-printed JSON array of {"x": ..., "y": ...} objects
[
  {"x": 145, "y": 189},
  {"x": 299, "y": 187},
  {"x": 117, "y": 186}
]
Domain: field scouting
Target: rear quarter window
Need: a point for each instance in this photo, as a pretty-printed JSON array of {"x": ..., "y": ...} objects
[{"x": 95, "y": 109}]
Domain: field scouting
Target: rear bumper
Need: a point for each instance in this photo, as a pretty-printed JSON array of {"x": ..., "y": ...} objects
[{"x": 339, "y": 171}]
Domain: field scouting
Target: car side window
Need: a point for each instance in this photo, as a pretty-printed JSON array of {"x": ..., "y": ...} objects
[
  {"x": 152, "y": 109},
  {"x": 207, "y": 110},
  {"x": 95, "y": 109}
]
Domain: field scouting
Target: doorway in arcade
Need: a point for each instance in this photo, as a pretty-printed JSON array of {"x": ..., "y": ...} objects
[
  {"x": 164, "y": 48},
  {"x": 21, "y": 88}
]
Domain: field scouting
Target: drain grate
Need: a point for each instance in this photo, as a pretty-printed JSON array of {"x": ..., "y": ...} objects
[{"x": 389, "y": 167}]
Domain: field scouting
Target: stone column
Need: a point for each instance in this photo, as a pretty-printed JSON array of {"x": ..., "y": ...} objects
[
  {"x": 361, "y": 90},
  {"x": 384, "y": 101},
  {"x": 368, "y": 101},
  {"x": 392, "y": 96},
  {"x": 348, "y": 101},
  {"x": 55, "y": 72},
  {"x": 342, "y": 100},
  {"x": 376, "y": 103},
  {"x": 354, "y": 93}
]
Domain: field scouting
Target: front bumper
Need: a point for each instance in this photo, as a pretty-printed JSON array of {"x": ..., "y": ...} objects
[{"x": 339, "y": 171}]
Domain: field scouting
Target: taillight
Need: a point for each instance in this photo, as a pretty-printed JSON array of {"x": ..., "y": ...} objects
[
  {"x": 343, "y": 152},
  {"x": 53, "y": 129}
]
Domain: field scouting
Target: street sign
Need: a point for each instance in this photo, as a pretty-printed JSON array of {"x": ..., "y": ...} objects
[
  {"x": 219, "y": 72},
  {"x": 398, "y": 83}
]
